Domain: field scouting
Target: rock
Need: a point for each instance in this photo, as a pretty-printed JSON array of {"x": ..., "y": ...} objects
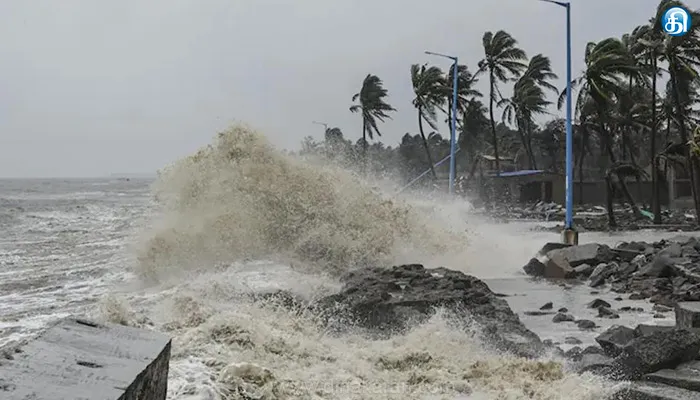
[
  {"x": 574, "y": 354},
  {"x": 563, "y": 310},
  {"x": 547, "y": 306},
  {"x": 534, "y": 267},
  {"x": 78, "y": 359},
  {"x": 605, "y": 312},
  {"x": 659, "y": 316},
  {"x": 597, "y": 303},
  {"x": 389, "y": 300},
  {"x": 654, "y": 391},
  {"x": 593, "y": 350},
  {"x": 660, "y": 267},
  {"x": 688, "y": 315},
  {"x": 585, "y": 324},
  {"x": 646, "y": 330},
  {"x": 596, "y": 364},
  {"x": 590, "y": 253},
  {"x": 661, "y": 308},
  {"x": 601, "y": 272},
  {"x": 584, "y": 270},
  {"x": 660, "y": 350},
  {"x": 625, "y": 254},
  {"x": 558, "y": 267},
  {"x": 613, "y": 340},
  {"x": 572, "y": 340},
  {"x": 538, "y": 313},
  {"x": 673, "y": 250},
  {"x": 561, "y": 317},
  {"x": 685, "y": 376}
]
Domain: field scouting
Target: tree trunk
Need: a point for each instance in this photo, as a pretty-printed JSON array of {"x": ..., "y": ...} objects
[
  {"x": 494, "y": 138},
  {"x": 582, "y": 155},
  {"x": 613, "y": 159},
  {"x": 692, "y": 161},
  {"x": 425, "y": 143},
  {"x": 655, "y": 187},
  {"x": 364, "y": 146},
  {"x": 529, "y": 145},
  {"x": 521, "y": 128},
  {"x": 609, "y": 201}
]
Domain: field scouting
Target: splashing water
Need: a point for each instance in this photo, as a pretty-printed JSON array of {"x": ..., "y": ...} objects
[{"x": 240, "y": 200}]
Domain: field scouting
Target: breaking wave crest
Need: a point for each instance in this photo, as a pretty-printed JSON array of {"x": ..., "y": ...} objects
[{"x": 239, "y": 198}]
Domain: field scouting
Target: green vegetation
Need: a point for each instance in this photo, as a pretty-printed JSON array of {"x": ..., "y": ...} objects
[{"x": 624, "y": 122}]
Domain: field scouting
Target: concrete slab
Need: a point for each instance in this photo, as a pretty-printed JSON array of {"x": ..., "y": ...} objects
[
  {"x": 82, "y": 360},
  {"x": 688, "y": 314}
]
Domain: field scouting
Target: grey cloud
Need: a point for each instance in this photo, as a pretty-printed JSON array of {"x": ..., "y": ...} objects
[{"x": 94, "y": 87}]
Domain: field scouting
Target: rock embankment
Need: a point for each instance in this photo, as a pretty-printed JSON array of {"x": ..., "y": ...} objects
[
  {"x": 664, "y": 272},
  {"x": 661, "y": 362},
  {"x": 387, "y": 300}
]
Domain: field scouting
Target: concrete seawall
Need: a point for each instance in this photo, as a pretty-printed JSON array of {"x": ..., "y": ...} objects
[{"x": 82, "y": 360}]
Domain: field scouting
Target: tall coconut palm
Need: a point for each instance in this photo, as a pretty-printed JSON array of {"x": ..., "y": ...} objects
[
  {"x": 651, "y": 41},
  {"x": 528, "y": 100},
  {"x": 503, "y": 60},
  {"x": 607, "y": 62},
  {"x": 682, "y": 53},
  {"x": 371, "y": 102},
  {"x": 429, "y": 88}
]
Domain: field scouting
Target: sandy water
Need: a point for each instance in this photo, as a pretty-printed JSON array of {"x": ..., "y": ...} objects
[{"x": 101, "y": 247}]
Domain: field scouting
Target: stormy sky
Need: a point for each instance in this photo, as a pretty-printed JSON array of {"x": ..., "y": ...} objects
[{"x": 95, "y": 87}]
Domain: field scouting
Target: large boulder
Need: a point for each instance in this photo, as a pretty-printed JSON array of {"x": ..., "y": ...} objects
[
  {"x": 614, "y": 340},
  {"x": 560, "y": 261},
  {"x": 388, "y": 300},
  {"x": 659, "y": 350}
]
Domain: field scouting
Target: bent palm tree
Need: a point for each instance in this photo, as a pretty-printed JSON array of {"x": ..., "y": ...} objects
[
  {"x": 372, "y": 104},
  {"x": 502, "y": 60},
  {"x": 606, "y": 63},
  {"x": 428, "y": 86},
  {"x": 528, "y": 100}
]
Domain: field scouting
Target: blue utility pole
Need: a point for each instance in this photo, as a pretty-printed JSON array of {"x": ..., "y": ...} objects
[
  {"x": 453, "y": 122},
  {"x": 569, "y": 235}
]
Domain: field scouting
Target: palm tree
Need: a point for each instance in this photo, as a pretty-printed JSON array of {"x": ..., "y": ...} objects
[
  {"x": 371, "y": 101},
  {"x": 429, "y": 87},
  {"x": 652, "y": 41},
  {"x": 682, "y": 53},
  {"x": 606, "y": 63},
  {"x": 529, "y": 100},
  {"x": 503, "y": 61}
]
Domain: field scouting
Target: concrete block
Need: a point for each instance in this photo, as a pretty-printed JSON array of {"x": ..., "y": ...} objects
[
  {"x": 82, "y": 360},
  {"x": 688, "y": 315}
]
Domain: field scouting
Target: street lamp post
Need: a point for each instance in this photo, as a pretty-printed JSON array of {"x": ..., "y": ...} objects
[
  {"x": 453, "y": 122},
  {"x": 569, "y": 235}
]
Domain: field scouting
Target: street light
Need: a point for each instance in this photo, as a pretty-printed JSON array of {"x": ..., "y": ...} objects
[
  {"x": 453, "y": 130},
  {"x": 569, "y": 235}
]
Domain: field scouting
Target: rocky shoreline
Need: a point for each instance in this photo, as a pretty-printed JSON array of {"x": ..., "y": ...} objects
[
  {"x": 658, "y": 362},
  {"x": 662, "y": 362}
]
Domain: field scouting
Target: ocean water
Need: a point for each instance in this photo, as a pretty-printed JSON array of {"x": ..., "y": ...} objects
[{"x": 179, "y": 254}]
